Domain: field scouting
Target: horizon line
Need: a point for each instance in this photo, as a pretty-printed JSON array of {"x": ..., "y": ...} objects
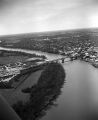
[{"x": 14, "y": 34}]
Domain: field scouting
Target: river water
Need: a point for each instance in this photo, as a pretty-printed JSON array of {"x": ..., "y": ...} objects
[
  {"x": 79, "y": 98},
  {"x": 49, "y": 56}
]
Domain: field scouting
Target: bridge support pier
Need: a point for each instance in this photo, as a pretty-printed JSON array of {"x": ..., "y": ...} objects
[{"x": 62, "y": 60}]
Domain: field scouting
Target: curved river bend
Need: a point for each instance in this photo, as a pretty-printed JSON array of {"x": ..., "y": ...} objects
[
  {"x": 49, "y": 56},
  {"x": 79, "y": 98}
]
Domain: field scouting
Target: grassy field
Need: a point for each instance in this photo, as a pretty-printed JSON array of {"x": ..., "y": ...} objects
[
  {"x": 14, "y": 95},
  {"x": 7, "y": 57},
  {"x": 12, "y": 59}
]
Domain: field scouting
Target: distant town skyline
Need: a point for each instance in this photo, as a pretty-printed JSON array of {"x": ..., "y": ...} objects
[{"x": 25, "y": 16}]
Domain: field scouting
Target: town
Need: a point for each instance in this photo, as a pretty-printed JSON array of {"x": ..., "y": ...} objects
[
  {"x": 82, "y": 52},
  {"x": 16, "y": 56}
]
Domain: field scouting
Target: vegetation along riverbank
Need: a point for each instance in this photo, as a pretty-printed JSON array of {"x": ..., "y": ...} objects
[{"x": 43, "y": 94}]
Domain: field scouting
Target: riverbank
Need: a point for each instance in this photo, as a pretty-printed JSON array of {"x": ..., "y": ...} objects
[
  {"x": 43, "y": 94},
  {"x": 79, "y": 99},
  {"x": 51, "y": 56}
]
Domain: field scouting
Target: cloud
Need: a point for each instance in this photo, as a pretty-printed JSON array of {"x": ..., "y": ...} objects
[
  {"x": 6, "y": 3},
  {"x": 94, "y": 2},
  {"x": 41, "y": 15}
]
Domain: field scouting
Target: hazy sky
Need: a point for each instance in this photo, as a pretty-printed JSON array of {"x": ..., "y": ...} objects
[{"x": 20, "y": 16}]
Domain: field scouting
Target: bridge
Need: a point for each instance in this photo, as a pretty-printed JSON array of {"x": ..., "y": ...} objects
[{"x": 60, "y": 60}]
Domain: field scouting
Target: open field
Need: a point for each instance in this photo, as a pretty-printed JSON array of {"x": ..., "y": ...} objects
[
  {"x": 12, "y": 59},
  {"x": 14, "y": 95},
  {"x": 7, "y": 57}
]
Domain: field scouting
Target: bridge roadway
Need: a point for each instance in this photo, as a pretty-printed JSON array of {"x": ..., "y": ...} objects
[{"x": 60, "y": 60}]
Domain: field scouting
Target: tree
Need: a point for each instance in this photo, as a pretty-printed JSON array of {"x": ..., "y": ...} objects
[{"x": 43, "y": 94}]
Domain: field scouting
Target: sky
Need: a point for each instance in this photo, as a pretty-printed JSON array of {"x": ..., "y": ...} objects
[{"x": 24, "y": 16}]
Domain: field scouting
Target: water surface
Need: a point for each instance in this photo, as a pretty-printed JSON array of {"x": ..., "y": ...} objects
[
  {"x": 50, "y": 56},
  {"x": 79, "y": 98}
]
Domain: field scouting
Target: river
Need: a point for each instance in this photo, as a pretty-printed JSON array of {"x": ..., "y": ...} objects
[
  {"x": 79, "y": 98},
  {"x": 49, "y": 56}
]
